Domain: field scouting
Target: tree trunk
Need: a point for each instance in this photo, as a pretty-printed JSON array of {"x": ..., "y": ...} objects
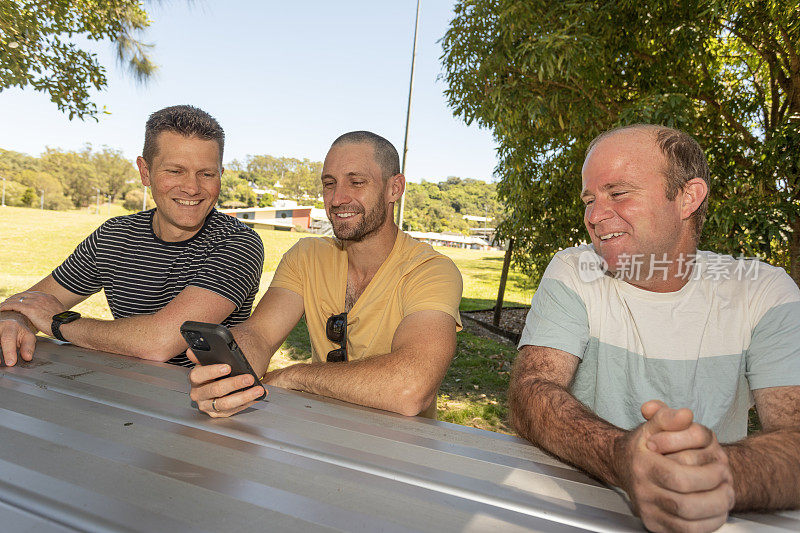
[{"x": 498, "y": 306}]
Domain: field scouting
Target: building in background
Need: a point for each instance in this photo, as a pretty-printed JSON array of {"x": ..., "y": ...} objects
[
  {"x": 283, "y": 215},
  {"x": 453, "y": 240},
  {"x": 479, "y": 227}
]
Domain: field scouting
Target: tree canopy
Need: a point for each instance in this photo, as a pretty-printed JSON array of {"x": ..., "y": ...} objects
[
  {"x": 40, "y": 47},
  {"x": 67, "y": 179},
  {"x": 546, "y": 77},
  {"x": 442, "y": 206},
  {"x": 73, "y": 179}
]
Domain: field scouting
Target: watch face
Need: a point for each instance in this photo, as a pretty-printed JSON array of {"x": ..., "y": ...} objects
[{"x": 65, "y": 316}]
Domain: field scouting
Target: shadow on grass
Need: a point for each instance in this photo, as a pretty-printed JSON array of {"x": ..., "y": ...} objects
[
  {"x": 482, "y": 304},
  {"x": 474, "y": 304},
  {"x": 297, "y": 345},
  {"x": 473, "y": 392}
]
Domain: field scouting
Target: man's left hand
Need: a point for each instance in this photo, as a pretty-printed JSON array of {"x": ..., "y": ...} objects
[{"x": 38, "y": 307}]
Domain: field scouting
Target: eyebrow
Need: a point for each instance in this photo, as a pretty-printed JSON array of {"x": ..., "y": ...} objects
[
  {"x": 348, "y": 175},
  {"x": 180, "y": 165},
  {"x": 621, "y": 184}
]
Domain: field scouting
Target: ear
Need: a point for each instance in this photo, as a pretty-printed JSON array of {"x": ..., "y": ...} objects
[
  {"x": 694, "y": 192},
  {"x": 144, "y": 171},
  {"x": 395, "y": 188}
]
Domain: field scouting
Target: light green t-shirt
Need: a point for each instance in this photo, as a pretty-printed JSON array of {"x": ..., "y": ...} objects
[{"x": 734, "y": 327}]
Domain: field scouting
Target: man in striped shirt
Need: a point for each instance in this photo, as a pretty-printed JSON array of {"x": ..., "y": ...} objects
[
  {"x": 181, "y": 261},
  {"x": 641, "y": 355}
]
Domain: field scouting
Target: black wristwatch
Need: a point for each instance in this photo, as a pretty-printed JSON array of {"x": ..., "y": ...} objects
[{"x": 64, "y": 317}]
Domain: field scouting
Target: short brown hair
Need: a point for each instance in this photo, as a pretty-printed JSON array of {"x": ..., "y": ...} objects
[
  {"x": 187, "y": 120},
  {"x": 685, "y": 161},
  {"x": 385, "y": 153}
]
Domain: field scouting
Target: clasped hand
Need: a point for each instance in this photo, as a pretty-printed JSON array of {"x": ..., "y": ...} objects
[{"x": 675, "y": 472}]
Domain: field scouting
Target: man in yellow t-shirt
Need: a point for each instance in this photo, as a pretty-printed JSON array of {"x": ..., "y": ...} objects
[{"x": 381, "y": 308}]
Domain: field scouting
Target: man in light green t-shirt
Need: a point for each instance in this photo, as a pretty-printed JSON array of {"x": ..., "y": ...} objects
[
  {"x": 381, "y": 308},
  {"x": 640, "y": 351}
]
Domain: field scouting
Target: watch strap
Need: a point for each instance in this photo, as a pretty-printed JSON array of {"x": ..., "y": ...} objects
[{"x": 59, "y": 320}]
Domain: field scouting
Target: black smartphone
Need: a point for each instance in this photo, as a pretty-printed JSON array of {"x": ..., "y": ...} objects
[{"x": 213, "y": 344}]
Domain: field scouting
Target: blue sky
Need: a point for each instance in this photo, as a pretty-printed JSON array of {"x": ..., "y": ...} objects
[{"x": 283, "y": 78}]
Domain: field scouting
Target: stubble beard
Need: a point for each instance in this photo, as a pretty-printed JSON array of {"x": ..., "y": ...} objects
[{"x": 371, "y": 221}]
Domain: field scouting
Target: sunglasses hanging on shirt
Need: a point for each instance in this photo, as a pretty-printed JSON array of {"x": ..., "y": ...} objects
[{"x": 336, "y": 330}]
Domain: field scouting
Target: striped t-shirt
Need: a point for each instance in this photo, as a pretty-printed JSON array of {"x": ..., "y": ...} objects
[
  {"x": 734, "y": 327},
  {"x": 141, "y": 274}
]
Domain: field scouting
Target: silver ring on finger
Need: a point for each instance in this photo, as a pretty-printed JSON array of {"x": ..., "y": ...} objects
[{"x": 214, "y": 405}]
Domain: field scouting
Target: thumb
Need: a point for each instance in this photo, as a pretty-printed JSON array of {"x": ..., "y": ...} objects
[
  {"x": 191, "y": 356},
  {"x": 650, "y": 408},
  {"x": 667, "y": 419}
]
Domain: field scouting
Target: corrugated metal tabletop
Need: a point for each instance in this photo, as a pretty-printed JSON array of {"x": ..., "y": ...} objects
[{"x": 98, "y": 442}]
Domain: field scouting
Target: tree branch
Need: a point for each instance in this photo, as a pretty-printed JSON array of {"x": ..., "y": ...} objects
[{"x": 738, "y": 126}]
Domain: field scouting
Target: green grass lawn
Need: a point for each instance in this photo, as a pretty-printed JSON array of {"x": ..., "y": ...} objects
[
  {"x": 481, "y": 274},
  {"x": 33, "y": 242}
]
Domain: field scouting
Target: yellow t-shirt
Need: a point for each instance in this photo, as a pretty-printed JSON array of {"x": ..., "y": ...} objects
[{"x": 414, "y": 277}]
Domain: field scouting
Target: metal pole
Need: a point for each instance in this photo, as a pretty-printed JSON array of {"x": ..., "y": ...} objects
[
  {"x": 4, "y": 192},
  {"x": 42, "y": 191},
  {"x": 144, "y": 199},
  {"x": 408, "y": 117}
]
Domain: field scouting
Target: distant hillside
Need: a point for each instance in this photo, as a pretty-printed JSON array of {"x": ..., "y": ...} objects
[{"x": 441, "y": 206}]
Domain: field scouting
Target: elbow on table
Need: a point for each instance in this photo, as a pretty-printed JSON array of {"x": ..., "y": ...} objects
[
  {"x": 161, "y": 349},
  {"x": 414, "y": 400}
]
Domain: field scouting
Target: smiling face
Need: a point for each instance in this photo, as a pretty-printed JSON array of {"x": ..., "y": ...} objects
[
  {"x": 184, "y": 178},
  {"x": 627, "y": 213},
  {"x": 358, "y": 200}
]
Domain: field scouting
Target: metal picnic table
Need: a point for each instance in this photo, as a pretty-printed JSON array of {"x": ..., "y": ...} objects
[{"x": 92, "y": 441}]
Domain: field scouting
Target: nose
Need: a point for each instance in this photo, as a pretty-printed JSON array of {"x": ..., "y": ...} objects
[
  {"x": 190, "y": 184},
  {"x": 340, "y": 196},
  {"x": 598, "y": 211}
]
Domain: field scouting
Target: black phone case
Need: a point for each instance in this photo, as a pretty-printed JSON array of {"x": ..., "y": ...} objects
[{"x": 222, "y": 348}]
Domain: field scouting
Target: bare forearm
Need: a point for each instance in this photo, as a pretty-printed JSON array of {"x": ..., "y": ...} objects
[
  {"x": 383, "y": 382},
  {"x": 766, "y": 471},
  {"x": 549, "y": 416},
  {"x": 140, "y": 336}
]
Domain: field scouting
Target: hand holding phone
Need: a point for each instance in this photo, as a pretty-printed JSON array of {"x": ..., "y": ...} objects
[{"x": 213, "y": 344}]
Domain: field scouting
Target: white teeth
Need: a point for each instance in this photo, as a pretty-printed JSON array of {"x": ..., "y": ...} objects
[
  {"x": 609, "y": 235},
  {"x": 187, "y": 202},
  {"x": 345, "y": 215}
]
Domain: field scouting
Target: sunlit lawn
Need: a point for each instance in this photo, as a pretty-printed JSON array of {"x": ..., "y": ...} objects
[
  {"x": 480, "y": 272},
  {"x": 33, "y": 242}
]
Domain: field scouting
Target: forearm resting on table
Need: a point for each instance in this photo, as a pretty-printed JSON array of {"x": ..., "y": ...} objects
[
  {"x": 766, "y": 470},
  {"x": 383, "y": 381},
  {"x": 143, "y": 336},
  {"x": 545, "y": 413}
]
